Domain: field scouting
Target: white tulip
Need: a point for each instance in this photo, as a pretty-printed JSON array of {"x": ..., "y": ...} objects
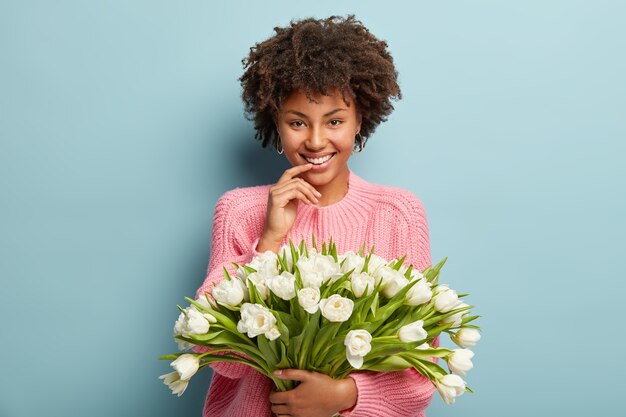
[
  {"x": 419, "y": 293},
  {"x": 181, "y": 325},
  {"x": 260, "y": 283},
  {"x": 412, "y": 332},
  {"x": 351, "y": 261},
  {"x": 230, "y": 292},
  {"x": 336, "y": 308},
  {"x": 205, "y": 302},
  {"x": 286, "y": 250},
  {"x": 446, "y": 299},
  {"x": 197, "y": 323},
  {"x": 393, "y": 281},
  {"x": 192, "y": 322},
  {"x": 403, "y": 268},
  {"x": 466, "y": 337},
  {"x": 457, "y": 318},
  {"x": 180, "y": 329},
  {"x": 423, "y": 346},
  {"x": 256, "y": 320},
  {"x": 266, "y": 264},
  {"x": 173, "y": 381},
  {"x": 242, "y": 274},
  {"x": 374, "y": 265},
  {"x": 317, "y": 269},
  {"x": 450, "y": 386},
  {"x": 273, "y": 333},
  {"x": 360, "y": 282},
  {"x": 416, "y": 275},
  {"x": 186, "y": 365},
  {"x": 309, "y": 299},
  {"x": 460, "y": 361},
  {"x": 358, "y": 344},
  {"x": 283, "y": 285}
]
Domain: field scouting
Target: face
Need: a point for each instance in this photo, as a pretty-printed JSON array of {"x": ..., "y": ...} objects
[{"x": 321, "y": 132}]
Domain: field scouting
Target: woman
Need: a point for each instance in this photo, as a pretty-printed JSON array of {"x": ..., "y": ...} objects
[{"x": 316, "y": 91}]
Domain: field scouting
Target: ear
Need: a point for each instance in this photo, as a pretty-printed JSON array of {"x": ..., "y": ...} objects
[{"x": 359, "y": 120}]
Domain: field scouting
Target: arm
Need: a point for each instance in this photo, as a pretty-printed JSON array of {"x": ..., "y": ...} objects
[
  {"x": 393, "y": 394},
  {"x": 228, "y": 244}
]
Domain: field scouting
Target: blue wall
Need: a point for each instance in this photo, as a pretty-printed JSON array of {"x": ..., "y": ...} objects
[{"x": 121, "y": 125}]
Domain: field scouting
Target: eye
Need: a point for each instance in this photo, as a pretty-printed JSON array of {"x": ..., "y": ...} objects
[
  {"x": 296, "y": 123},
  {"x": 335, "y": 122}
]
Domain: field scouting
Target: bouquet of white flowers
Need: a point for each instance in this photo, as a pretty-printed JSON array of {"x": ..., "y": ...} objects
[{"x": 313, "y": 309}]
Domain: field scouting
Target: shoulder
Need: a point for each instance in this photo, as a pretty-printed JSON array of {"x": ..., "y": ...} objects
[
  {"x": 242, "y": 202},
  {"x": 404, "y": 203}
]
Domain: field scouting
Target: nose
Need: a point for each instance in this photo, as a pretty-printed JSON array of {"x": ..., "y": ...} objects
[{"x": 316, "y": 140}]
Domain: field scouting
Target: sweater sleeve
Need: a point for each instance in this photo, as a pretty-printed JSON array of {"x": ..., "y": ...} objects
[
  {"x": 407, "y": 392},
  {"x": 229, "y": 243}
]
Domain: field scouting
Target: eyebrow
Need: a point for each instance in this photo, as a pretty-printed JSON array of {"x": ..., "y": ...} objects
[{"x": 304, "y": 116}]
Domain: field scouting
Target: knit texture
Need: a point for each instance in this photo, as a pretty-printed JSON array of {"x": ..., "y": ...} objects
[{"x": 391, "y": 219}]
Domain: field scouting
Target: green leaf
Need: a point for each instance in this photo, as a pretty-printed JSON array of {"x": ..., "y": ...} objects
[
  {"x": 324, "y": 338},
  {"x": 425, "y": 367},
  {"x": 310, "y": 333},
  {"x": 386, "y": 364},
  {"x": 294, "y": 254},
  {"x": 267, "y": 350},
  {"x": 207, "y": 337},
  {"x": 170, "y": 357},
  {"x": 282, "y": 262},
  {"x": 332, "y": 288},
  {"x": 361, "y": 250},
  {"x": 333, "y": 250},
  {"x": 301, "y": 248},
  {"x": 293, "y": 325},
  {"x": 428, "y": 353},
  {"x": 438, "y": 317},
  {"x": 436, "y": 331},
  {"x": 467, "y": 320},
  {"x": 398, "y": 263},
  {"x": 407, "y": 274},
  {"x": 226, "y": 274}
]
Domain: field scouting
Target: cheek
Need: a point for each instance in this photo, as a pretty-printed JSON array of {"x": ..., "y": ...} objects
[{"x": 344, "y": 140}]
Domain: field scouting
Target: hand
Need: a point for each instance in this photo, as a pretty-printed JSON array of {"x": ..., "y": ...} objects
[
  {"x": 282, "y": 205},
  {"x": 317, "y": 395}
]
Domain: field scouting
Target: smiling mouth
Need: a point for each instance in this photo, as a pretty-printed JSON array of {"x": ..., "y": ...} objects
[{"x": 319, "y": 161}]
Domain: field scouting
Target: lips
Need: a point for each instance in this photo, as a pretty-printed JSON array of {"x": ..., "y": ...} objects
[{"x": 318, "y": 159}]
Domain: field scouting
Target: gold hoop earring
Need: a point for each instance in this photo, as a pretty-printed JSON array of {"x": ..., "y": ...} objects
[
  {"x": 359, "y": 143},
  {"x": 279, "y": 146}
]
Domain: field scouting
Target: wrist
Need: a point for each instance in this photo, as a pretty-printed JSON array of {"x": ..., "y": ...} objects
[
  {"x": 348, "y": 391},
  {"x": 269, "y": 242}
]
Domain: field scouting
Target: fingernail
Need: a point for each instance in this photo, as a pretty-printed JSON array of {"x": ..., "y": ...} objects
[
  {"x": 278, "y": 372},
  {"x": 318, "y": 193}
]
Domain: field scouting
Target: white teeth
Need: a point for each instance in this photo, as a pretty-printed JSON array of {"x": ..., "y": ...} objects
[{"x": 318, "y": 161}]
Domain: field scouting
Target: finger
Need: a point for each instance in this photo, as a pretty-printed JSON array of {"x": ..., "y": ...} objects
[
  {"x": 307, "y": 189},
  {"x": 279, "y": 397},
  {"x": 301, "y": 185},
  {"x": 310, "y": 187},
  {"x": 293, "y": 171},
  {"x": 293, "y": 374},
  {"x": 281, "y": 410},
  {"x": 281, "y": 199}
]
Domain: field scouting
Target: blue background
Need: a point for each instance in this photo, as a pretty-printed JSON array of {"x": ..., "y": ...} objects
[{"x": 121, "y": 124}]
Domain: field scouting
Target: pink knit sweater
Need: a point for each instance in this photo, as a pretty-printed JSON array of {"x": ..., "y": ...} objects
[{"x": 390, "y": 218}]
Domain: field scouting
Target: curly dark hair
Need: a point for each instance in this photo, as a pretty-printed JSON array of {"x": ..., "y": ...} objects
[{"x": 316, "y": 56}]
